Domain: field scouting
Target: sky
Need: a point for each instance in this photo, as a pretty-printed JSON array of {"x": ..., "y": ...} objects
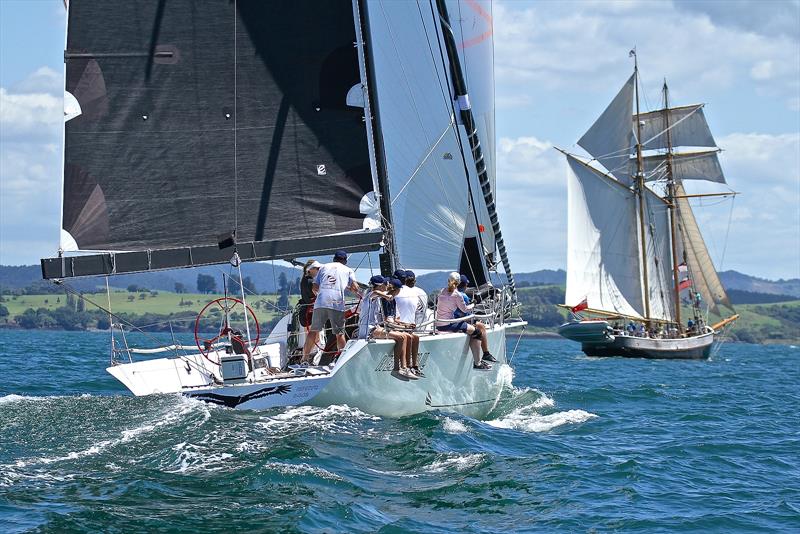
[{"x": 557, "y": 65}]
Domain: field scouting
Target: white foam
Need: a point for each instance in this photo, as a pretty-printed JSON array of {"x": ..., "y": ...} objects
[
  {"x": 17, "y": 398},
  {"x": 451, "y": 426},
  {"x": 126, "y": 435},
  {"x": 303, "y": 469},
  {"x": 334, "y": 418},
  {"x": 527, "y": 420},
  {"x": 455, "y": 463}
]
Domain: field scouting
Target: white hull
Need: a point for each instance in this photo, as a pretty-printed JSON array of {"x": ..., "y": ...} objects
[
  {"x": 364, "y": 379},
  {"x": 361, "y": 378}
]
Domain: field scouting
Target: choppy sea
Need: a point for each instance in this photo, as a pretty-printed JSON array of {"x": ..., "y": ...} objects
[{"x": 578, "y": 444}]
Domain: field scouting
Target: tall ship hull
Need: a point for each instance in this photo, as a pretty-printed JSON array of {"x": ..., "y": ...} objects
[{"x": 598, "y": 338}]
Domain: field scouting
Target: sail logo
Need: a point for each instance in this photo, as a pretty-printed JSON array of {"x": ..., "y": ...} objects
[{"x": 321, "y": 170}]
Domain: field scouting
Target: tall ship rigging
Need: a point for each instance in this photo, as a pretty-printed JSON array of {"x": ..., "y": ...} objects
[
  {"x": 217, "y": 131},
  {"x": 635, "y": 251}
]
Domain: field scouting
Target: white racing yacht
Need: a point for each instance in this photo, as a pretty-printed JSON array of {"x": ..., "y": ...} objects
[{"x": 228, "y": 131}]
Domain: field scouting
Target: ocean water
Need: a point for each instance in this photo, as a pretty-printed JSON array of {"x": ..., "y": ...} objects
[{"x": 577, "y": 445}]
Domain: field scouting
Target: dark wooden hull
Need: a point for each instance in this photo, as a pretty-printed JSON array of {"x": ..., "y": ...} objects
[{"x": 689, "y": 348}]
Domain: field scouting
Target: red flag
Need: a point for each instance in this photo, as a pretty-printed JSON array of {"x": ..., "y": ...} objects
[
  {"x": 582, "y": 305},
  {"x": 684, "y": 284},
  {"x": 683, "y": 268}
]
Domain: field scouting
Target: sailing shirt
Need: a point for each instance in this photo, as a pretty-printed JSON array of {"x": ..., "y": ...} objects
[
  {"x": 447, "y": 304},
  {"x": 411, "y": 304},
  {"x": 333, "y": 278},
  {"x": 369, "y": 314}
]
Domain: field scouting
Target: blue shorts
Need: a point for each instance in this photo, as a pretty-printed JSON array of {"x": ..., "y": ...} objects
[{"x": 453, "y": 327}]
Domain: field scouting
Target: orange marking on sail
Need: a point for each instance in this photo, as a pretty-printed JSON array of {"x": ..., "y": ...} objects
[{"x": 485, "y": 35}]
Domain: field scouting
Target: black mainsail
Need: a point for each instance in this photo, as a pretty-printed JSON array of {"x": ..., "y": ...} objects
[{"x": 201, "y": 119}]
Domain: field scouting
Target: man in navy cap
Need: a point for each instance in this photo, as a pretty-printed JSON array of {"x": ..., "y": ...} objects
[{"x": 329, "y": 285}]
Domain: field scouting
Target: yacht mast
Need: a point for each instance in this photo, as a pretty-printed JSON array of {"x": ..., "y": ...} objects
[
  {"x": 640, "y": 191},
  {"x": 672, "y": 210}
]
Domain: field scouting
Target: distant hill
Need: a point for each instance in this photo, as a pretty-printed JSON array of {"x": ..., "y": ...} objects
[
  {"x": 738, "y": 296},
  {"x": 432, "y": 281},
  {"x": 744, "y": 282},
  {"x": 265, "y": 280},
  {"x": 262, "y": 274}
]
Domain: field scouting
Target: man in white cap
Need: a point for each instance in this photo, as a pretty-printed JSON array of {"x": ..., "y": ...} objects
[{"x": 329, "y": 285}]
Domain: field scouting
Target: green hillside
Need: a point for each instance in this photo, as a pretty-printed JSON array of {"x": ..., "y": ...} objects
[{"x": 758, "y": 323}]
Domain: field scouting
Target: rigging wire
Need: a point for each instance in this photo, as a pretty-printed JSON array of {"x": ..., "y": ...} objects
[{"x": 451, "y": 105}]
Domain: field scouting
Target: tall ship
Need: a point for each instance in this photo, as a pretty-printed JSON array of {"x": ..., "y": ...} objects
[
  {"x": 218, "y": 132},
  {"x": 637, "y": 263}
]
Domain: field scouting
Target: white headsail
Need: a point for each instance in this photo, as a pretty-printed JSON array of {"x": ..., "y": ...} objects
[
  {"x": 659, "y": 257},
  {"x": 423, "y": 157}
]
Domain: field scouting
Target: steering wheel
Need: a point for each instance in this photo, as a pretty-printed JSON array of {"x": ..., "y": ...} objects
[{"x": 227, "y": 305}]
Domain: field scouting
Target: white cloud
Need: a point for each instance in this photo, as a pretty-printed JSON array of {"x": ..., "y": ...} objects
[
  {"x": 553, "y": 46},
  {"x": 42, "y": 80},
  {"x": 30, "y": 167},
  {"x": 764, "y": 234},
  {"x": 531, "y": 199},
  {"x": 30, "y": 116}
]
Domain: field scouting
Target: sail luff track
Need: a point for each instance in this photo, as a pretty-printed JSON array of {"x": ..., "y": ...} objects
[{"x": 462, "y": 98}]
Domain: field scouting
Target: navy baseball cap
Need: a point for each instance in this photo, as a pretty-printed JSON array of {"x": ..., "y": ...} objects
[
  {"x": 377, "y": 280},
  {"x": 396, "y": 282},
  {"x": 340, "y": 255},
  {"x": 400, "y": 274},
  {"x": 464, "y": 280},
  {"x": 410, "y": 275}
]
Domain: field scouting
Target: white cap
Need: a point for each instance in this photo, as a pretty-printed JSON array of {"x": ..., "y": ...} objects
[
  {"x": 455, "y": 277},
  {"x": 315, "y": 265}
]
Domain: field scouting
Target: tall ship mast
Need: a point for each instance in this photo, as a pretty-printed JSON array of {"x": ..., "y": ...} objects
[
  {"x": 635, "y": 255},
  {"x": 219, "y": 132}
]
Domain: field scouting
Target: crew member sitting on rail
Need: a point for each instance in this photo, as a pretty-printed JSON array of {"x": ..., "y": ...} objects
[
  {"x": 462, "y": 288},
  {"x": 370, "y": 325},
  {"x": 392, "y": 318},
  {"x": 449, "y": 300},
  {"x": 419, "y": 298}
]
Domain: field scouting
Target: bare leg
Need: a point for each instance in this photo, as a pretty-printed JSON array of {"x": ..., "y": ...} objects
[
  {"x": 414, "y": 350},
  {"x": 399, "y": 351},
  {"x": 308, "y": 346},
  {"x": 476, "y": 352},
  {"x": 340, "y": 341},
  {"x": 484, "y": 339}
]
